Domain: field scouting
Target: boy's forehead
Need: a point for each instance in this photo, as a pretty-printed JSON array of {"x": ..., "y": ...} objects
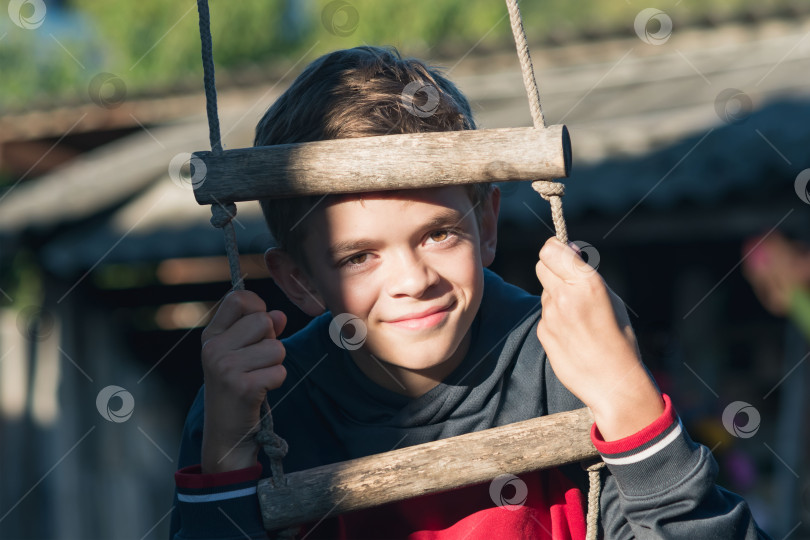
[
  {"x": 454, "y": 196},
  {"x": 394, "y": 194}
]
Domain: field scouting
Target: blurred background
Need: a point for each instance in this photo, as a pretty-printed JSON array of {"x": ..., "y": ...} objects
[{"x": 690, "y": 124}]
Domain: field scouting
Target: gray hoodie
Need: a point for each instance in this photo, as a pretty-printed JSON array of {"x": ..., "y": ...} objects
[{"x": 659, "y": 483}]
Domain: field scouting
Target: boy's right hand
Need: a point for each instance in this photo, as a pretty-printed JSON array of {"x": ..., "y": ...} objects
[{"x": 241, "y": 361}]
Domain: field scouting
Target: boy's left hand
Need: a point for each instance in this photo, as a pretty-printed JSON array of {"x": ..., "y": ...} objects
[{"x": 587, "y": 336}]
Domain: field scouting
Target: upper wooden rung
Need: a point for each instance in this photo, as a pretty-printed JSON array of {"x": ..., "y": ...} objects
[{"x": 417, "y": 160}]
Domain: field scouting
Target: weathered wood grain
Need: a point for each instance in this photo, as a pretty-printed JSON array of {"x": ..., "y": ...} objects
[
  {"x": 472, "y": 458},
  {"x": 417, "y": 160}
]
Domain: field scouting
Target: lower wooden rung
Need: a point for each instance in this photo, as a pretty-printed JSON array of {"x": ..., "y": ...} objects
[{"x": 539, "y": 443}]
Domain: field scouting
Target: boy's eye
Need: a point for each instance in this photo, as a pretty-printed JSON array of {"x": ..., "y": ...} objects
[
  {"x": 360, "y": 258},
  {"x": 442, "y": 234},
  {"x": 445, "y": 235}
]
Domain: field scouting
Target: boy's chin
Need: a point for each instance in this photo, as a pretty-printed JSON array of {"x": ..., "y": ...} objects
[
  {"x": 417, "y": 357},
  {"x": 419, "y": 365}
]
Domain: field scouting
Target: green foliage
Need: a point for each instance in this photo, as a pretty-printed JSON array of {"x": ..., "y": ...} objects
[
  {"x": 34, "y": 65},
  {"x": 21, "y": 281},
  {"x": 153, "y": 45},
  {"x": 156, "y": 43}
]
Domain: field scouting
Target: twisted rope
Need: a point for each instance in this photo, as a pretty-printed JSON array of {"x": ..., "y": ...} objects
[
  {"x": 208, "y": 76},
  {"x": 547, "y": 189},
  {"x": 274, "y": 446},
  {"x": 594, "y": 490},
  {"x": 552, "y": 192},
  {"x": 222, "y": 215}
]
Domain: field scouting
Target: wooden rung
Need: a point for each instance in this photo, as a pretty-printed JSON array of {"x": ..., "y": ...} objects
[
  {"x": 538, "y": 443},
  {"x": 416, "y": 160}
]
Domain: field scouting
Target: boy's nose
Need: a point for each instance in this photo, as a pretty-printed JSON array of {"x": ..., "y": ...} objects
[{"x": 411, "y": 275}]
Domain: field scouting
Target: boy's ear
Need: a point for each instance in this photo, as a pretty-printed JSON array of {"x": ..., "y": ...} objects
[
  {"x": 294, "y": 281},
  {"x": 489, "y": 226}
]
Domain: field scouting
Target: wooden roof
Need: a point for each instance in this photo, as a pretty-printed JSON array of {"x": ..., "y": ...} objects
[{"x": 622, "y": 100}]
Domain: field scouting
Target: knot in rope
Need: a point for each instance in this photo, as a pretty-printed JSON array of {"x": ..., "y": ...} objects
[
  {"x": 274, "y": 446},
  {"x": 548, "y": 188},
  {"x": 552, "y": 191},
  {"x": 222, "y": 214}
]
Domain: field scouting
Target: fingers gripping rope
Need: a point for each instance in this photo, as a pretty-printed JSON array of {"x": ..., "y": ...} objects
[{"x": 547, "y": 189}]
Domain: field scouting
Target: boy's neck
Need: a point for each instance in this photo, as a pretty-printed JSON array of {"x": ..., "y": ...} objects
[{"x": 404, "y": 381}]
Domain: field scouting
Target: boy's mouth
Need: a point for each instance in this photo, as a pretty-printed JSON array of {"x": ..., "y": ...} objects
[{"x": 424, "y": 319}]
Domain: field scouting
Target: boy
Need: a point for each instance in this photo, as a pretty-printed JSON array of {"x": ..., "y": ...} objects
[{"x": 441, "y": 346}]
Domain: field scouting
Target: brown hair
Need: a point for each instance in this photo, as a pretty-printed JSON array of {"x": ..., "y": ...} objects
[{"x": 359, "y": 92}]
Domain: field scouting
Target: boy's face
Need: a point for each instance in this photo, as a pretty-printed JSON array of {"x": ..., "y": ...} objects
[{"x": 393, "y": 256}]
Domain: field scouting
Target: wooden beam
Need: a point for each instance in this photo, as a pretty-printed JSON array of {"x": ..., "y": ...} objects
[
  {"x": 417, "y": 160},
  {"x": 538, "y": 443}
]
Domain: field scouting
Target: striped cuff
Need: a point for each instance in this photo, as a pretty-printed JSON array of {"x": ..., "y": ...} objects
[
  {"x": 635, "y": 447},
  {"x": 190, "y": 478},
  {"x": 221, "y": 505},
  {"x": 651, "y": 459}
]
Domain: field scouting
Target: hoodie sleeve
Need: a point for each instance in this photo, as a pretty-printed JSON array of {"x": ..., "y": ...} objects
[
  {"x": 661, "y": 484},
  {"x": 223, "y": 505},
  {"x": 190, "y": 448}
]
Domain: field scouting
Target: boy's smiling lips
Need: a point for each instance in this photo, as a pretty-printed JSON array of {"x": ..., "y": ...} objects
[{"x": 422, "y": 314}]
